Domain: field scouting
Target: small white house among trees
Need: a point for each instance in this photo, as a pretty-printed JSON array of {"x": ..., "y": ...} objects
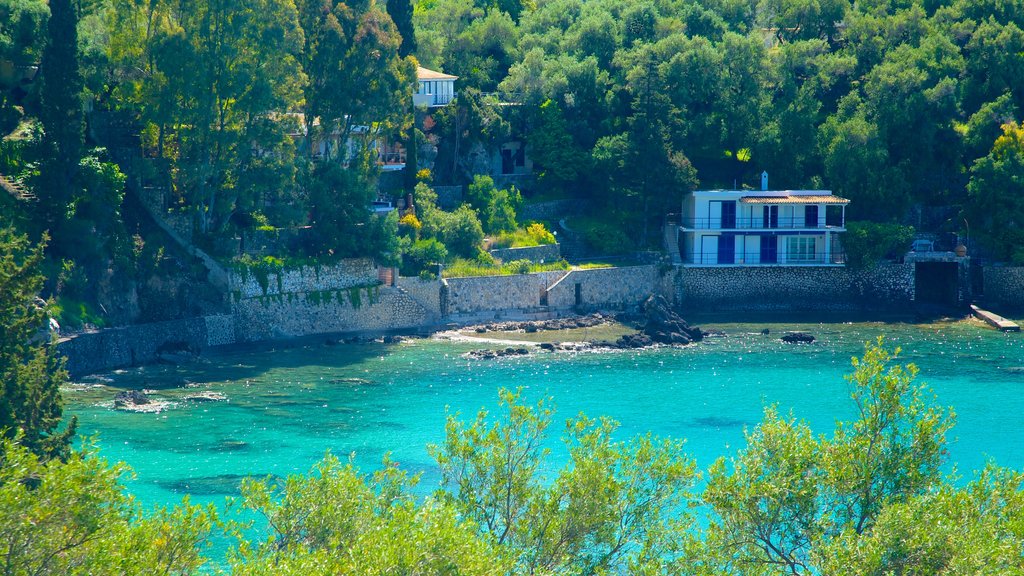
[
  {"x": 436, "y": 88},
  {"x": 762, "y": 228}
]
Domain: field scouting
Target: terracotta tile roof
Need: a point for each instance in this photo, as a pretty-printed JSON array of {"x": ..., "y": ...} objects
[
  {"x": 425, "y": 74},
  {"x": 793, "y": 200}
]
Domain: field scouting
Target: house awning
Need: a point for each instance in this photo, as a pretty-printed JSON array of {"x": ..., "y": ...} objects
[{"x": 793, "y": 200}]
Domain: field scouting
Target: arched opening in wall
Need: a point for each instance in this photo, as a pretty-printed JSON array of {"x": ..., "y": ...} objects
[{"x": 937, "y": 283}]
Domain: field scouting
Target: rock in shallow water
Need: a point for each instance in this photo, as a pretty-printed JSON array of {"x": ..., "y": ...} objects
[
  {"x": 130, "y": 398},
  {"x": 663, "y": 326},
  {"x": 798, "y": 338}
]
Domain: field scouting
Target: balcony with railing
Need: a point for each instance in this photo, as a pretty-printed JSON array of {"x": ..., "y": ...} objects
[
  {"x": 761, "y": 222},
  {"x": 756, "y": 258}
]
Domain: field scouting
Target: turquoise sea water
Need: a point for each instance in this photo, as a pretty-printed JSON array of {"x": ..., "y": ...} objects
[{"x": 286, "y": 407}]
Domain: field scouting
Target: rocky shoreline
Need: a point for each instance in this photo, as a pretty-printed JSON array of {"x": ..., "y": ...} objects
[{"x": 658, "y": 325}]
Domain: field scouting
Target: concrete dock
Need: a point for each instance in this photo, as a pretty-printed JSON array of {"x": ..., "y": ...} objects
[{"x": 995, "y": 320}]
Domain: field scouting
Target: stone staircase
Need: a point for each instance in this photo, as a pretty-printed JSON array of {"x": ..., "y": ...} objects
[
  {"x": 16, "y": 190},
  {"x": 146, "y": 184},
  {"x": 670, "y": 240}
]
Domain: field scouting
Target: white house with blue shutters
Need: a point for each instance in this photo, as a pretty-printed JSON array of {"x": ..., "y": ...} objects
[{"x": 762, "y": 228}]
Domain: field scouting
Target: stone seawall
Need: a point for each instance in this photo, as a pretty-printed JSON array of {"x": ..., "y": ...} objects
[
  {"x": 375, "y": 309},
  {"x": 545, "y": 253},
  {"x": 339, "y": 276},
  {"x": 1004, "y": 286},
  {"x": 604, "y": 288},
  {"x": 889, "y": 286},
  {"x": 136, "y": 345},
  {"x": 341, "y": 299}
]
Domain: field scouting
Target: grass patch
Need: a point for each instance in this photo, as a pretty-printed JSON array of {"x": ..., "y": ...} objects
[
  {"x": 74, "y": 314},
  {"x": 462, "y": 268},
  {"x": 533, "y": 235}
]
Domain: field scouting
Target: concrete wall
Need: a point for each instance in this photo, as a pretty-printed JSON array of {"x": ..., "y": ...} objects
[
  {"x": 1004, "y": 286},
  {"x": 344, "y": 274},
  {"x": 375, "y": 309},
  {"x": 135, "y": 345},
  {"x": 889, "y": 286},
  {"x": 545, "y": 253},
  {"x": 604, "y": 288}
]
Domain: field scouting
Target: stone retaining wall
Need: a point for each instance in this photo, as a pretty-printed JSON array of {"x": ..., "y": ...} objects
[
  {"x": 544, "y": 253},
  {"x": 426, "y": 292},
  {"x": 497, "y": 293},
  {"x": 605, "y": 288},
  {"x": 376, "y": 309},
  {"x": 550, "y": 210},
  {"x": 888, "y": 286},
  {"x": 136, "y": 345},
  {"x": 340, "y": 276},
  {"x": 1004, "y": 286}
]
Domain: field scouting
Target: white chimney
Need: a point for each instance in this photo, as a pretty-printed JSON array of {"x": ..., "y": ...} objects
[{"x": 764, "y": 180}]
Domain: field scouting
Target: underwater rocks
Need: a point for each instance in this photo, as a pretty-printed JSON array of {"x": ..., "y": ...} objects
[
  {"x": 205, "y": 396},
  {"x": 797, "y": 338}
]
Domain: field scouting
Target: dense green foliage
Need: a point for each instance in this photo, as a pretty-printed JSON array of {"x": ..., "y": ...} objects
[
  {"x": 74, "y": 517},
  {"x": 996, "y": 190},
  {"x": 273, "y": 113},
  {"x": 867, "y": 243},
  {"x": 889, "y": 104},
  {"x": 30, "y": 373}
]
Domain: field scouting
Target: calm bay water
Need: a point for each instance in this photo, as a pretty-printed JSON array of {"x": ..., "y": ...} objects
[{"x": 287, "y": 407}]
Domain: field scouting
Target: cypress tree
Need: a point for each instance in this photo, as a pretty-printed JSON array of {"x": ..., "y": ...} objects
[
  {"x": 400, "y": 12},
  {"x": 30, "y": 372},
  {"x": 60, "y": 114}
]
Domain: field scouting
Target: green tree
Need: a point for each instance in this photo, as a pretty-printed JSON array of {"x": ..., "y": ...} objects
[
  {"x": 995, "y": 207},
  {"x": 400, "y": 12},
  {"x": 61, "y": 115},
  {"x": 615, "y": 507},
  {"x": 868, "y": 243},
  {"x": 789, "y": 502},
  {"x": 30, "y": 372},
  {"x": 74, "y": 517},
  {"x": 335, "y": 520}
]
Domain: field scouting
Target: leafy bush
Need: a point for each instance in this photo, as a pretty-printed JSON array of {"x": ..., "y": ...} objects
[
  {"x": 867, "y": 243},
  {"x": 500, "y": 214},
  {"x": 519, "y": 266},
  {"x": 418, "y": 255},
  {"x": 461, "y": 231},
  {"x": 410, "y": 225}
]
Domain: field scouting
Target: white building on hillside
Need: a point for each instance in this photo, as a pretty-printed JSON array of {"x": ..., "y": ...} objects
[
  {"x": 436, "y": 88},
  {"x": 762, "y": 228}
]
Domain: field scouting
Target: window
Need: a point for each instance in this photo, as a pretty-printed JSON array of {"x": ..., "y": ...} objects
[{"x": 800, "y": 249}]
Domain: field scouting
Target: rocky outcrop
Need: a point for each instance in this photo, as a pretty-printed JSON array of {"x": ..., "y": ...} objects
[
  {"x": 485, "y": 354},
  {"x": 130, "y": 398},
  {"x": 663, "y": 326}
]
